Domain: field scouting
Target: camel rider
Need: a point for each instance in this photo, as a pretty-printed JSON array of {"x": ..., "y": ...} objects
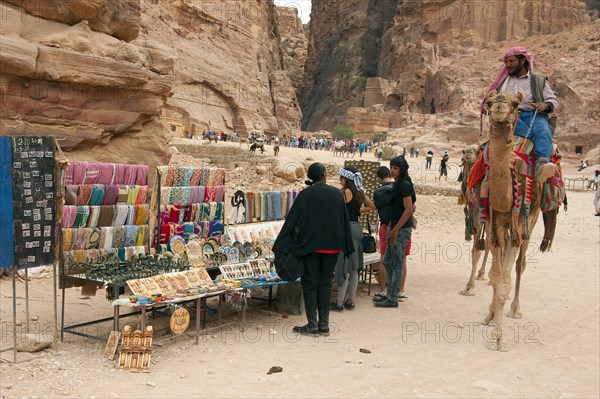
[{"x": 539, "y": 101}]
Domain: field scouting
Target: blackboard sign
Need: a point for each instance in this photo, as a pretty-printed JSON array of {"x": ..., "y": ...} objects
[
  {"x": 7, "y": 249},
  {"x": 33, "y": 200}
]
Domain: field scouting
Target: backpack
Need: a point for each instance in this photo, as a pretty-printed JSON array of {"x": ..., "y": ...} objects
[{"x": 381, "y": 199}]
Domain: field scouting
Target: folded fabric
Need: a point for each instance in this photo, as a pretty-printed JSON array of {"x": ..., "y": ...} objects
[
  {"x": 141, "y": 176},
  {"x": 142, "y": 195},
  {"x": 84, "y": 194},
  {"x": 142, "y": 236},
  {"x": 82, "y": 216},
  {"x": 180, "y": 195},
  {"x": 186, "y": 178},
  {"x": 94, "y": 216},
  {"x": 106, "y": 215},
  {"x": 219, "y": 193},
  {"x": 123, "y": 194},
  {"x": 68, "y": 237},
  {"x": 209, "y": 193},
  {"x": 204, "y": 177},
  {"x": 130, "y": 174},
  {"x": 276, "y": 205},
  {"x": 119, "y": 174},
  {"x": 131, "y": 234},
  {"x": 106, "y": 174},
  {"x": 165, "y": 233},
  {"x": 111, "y": 193},
  {"x": 69, "y": 214},
  {"x": 130, "y": 215},
  {"x": 119, "y": 236},
  {"x": 120, "y": 215},
  {"x": 92, "y": 172},
  {"x": 132, "y": 194},
  {"x": 71, "y": 194},
  {"x": 165, "y": 195},
  {"x": 178, "y": 177},
  {"x": 142, "y": 214},
  {"x": 106, "y": 237},
  {"x": 93, "y": 238},
  {"x": 196, "y": 175},
  {"x": 215, "y": 228}
]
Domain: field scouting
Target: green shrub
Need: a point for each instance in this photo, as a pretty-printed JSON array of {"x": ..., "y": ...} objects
[{"x": 343, "y": 131}]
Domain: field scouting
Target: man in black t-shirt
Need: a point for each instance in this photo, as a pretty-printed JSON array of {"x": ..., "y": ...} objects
[
  {"x": 402, "y": 199},
  {"x": 444, "y": 166}
]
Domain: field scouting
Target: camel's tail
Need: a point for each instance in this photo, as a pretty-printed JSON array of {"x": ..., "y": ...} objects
[{"x": 549, "y": 229}]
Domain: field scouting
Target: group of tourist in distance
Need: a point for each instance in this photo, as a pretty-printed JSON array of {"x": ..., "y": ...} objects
[{"x": 324, "y": 221}]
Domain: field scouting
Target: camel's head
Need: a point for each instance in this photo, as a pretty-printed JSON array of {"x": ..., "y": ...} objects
[
  {"x": 469, "y": 155},
  {"x": 502, "y": 107}
]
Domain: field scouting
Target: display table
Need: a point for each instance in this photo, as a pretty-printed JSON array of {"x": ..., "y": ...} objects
[
  {"x": 200, "y": 304},
  {"x": 369, "y": 261}
]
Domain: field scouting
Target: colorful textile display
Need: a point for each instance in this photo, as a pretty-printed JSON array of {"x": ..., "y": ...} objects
[{"x": 267, "y": 205}]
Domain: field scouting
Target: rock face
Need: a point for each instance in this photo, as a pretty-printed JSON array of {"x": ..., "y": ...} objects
[
  {"x": 343, "y": 47},
  {"x": 69, "y": 69},
  {"x": 293, "y": 44},
  {"x": 422, "y": 52},
  {"x": 229, "y": 71}
]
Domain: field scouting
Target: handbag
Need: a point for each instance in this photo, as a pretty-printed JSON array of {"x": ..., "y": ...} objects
[
  {"x": 288, "y": 266},
  {"x": 368, "y": 241}
]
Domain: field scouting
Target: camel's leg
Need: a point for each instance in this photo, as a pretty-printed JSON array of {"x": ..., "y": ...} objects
[
  {"x": 502, "y": 290},
  {"x": 475, "y": 256},
  {"x": 494, "y": 276},
  {"x": 515, "y": 309},
  {"x": 481, "y": 272}
]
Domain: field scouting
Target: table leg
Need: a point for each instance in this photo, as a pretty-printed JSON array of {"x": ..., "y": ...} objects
[
  {"x": 198, "y": 310},
  {"x": 143, "y": 318},
  {"x": 244, "y": 313},
  {"x": 220, "y": 309},
  {"x": 116, "y": 319},
  {"x": 203, "y": 301}
]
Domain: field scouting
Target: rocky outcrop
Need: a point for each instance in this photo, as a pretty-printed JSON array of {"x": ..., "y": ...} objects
[
  {"x": 69, "y": 69},
  {"x": 229, "y": 70},
  {"x": 343, "y": 48},
  {"x": 419, "y": 49},
  {"x": 293, "y": 44}
]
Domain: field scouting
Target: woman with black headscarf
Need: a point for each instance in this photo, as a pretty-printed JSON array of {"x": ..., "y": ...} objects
[
  {"x": 316, "y": 229},
  {"x": 402, "y": 199}
]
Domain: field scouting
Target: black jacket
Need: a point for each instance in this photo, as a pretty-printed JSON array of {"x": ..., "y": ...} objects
[{"x": 318, "y": 220}]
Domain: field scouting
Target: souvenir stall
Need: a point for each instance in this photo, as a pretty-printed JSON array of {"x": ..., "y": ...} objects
[
  {"x": 190, "y": 209},
  {"x": 27, "y": 212},
  {"x": 103, "y": 227}
]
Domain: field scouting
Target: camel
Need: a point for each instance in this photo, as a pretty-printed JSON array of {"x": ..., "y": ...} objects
[
  {"x": 473, "y": 225},
  {"x": 506, "y": 229}
]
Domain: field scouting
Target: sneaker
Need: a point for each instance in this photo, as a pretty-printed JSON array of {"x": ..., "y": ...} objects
[
  {"x": 543, "y": 170},
  {"x": 402, "y": 295},
  {"x": 306, "y": 330},
  {"x": 324, "y": 331},
  {"x": 334, "y": 306},
  {"x": 380, "y": 294},
  {"x": 386, "y": 304}
]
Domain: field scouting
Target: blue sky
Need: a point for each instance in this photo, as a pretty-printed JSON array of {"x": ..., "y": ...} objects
[{"x": 303, "y": 7}]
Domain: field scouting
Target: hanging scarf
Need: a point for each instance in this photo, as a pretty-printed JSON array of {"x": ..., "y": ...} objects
[
  {"x": 277, "y": 205},
  {"x": 82, "y": 216},
  {"x": 119, "y": 174},
  {"x": 85, "y": 193},
  {"x": 71, "y": 194},
  {"x": 111, "y": 192},
  {"x": 97, "y": 194},
  {"x": 142, "y": 214},
  {"x": 142, "y": 235},
  {"x": 120, "y": 215},
  {"x": 94, "y": 216},
  {"x": 196, "y": 175},
  {"x": 129, "y": 219},
  {"x": 92, "y": 172},
  {"x": 69, "y": 214},
  {"x": 93, "y": 238},
  {"x": 186, "y": 179},
  {"x": 68, "y": 238},
  {"x": 132, "y": 194},
  {"x": 165, "y": 195},
  {"x": 123, "y": 194},
  {"x": 141, "y": 175},
  {"x": 130, "y": 174},
  {"x": 142, "y": 195},
  {"x": 131, "y": 233},
  {"x": 119, "y": 236},
  {"x": 106, "y": 173},
  {"x": 106, "y": 237},
  {"x": 107, "y": 213}
]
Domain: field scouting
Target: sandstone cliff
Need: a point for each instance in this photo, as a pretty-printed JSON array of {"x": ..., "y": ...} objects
[
  {"x": 229, "y": 70},
  {"x": 431, "y": 56},
  {"x": 74, "y": 70},
  {"x": 293, "y": 44}
]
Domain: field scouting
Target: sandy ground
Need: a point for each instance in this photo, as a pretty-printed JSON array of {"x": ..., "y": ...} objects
[{"x": 432, "y": 346}]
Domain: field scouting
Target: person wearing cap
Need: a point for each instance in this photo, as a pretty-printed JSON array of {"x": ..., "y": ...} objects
[
  {"x": 347, "y": 268},
  {"x": 402, "y": 200},
  {"x": 539, "y": 102},
  {"x": 316, "y": 229}
]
